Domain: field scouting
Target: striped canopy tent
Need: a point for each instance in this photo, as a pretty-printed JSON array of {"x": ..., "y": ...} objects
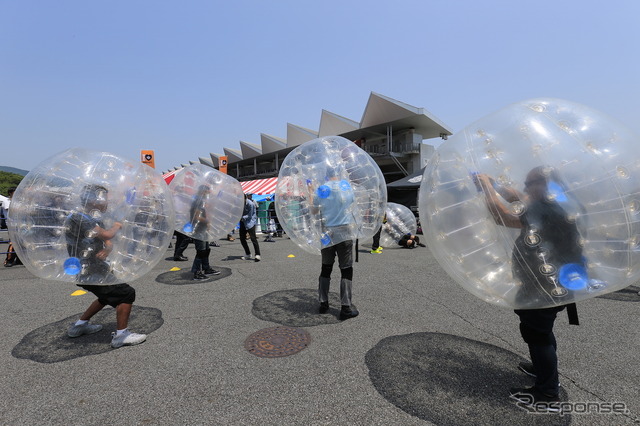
[
  {"x": 168, "y": 177},
  {"x": 260, "y": 188}
]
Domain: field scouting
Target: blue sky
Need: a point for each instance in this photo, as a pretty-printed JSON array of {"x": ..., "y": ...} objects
[{"x": 188, "y": 78}]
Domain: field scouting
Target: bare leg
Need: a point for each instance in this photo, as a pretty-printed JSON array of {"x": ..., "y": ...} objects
[
  {"x": 123, "y": 311},
  {"x": 93, "y": 309}
]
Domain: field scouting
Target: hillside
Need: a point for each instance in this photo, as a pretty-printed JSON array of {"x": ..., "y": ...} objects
[
  {"x": 13, "y": 170},
  {"x": 7, "y": 180}
]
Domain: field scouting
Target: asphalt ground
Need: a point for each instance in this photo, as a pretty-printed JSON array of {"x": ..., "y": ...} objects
[{"x": 422, "y": 351}]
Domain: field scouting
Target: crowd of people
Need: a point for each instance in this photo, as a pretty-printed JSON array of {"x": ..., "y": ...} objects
[{"x": 536, "y": 325}]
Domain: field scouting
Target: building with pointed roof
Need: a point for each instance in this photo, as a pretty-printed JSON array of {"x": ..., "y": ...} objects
[{"x": 392, "y": 132}]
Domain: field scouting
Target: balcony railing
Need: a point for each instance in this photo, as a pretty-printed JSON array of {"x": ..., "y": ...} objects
[{"x": 396, "y": 148}]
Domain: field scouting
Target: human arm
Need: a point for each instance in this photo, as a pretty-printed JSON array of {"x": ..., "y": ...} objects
[
  {"x": 501, "y": 214},
  {"x": 106, "y": 235}
]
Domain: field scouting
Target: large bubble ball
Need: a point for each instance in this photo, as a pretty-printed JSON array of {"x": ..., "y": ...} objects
[
  {"x": 91, "y": 218},
  {"x": 329, "y": 191},
  {"x": 400, "y": 222},
  {"x": 208, "y": 202},
  {"x": 536, "y": 205}
]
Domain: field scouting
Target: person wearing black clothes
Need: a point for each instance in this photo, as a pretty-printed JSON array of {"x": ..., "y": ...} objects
[
  {"x": 182, "y": 242},
  {"x": 201, "y": 267},
  {"x": 410, "y": 241},
  {"x": 548, "y": 241},
  {"x": 89, "y": 244},
  {"x": 248, "y": 223}
]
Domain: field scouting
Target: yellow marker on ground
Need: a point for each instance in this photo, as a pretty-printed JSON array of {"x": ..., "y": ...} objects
[
  {"x": 79, "y": 293},
  {"x": 175, "y": 268},
  {"x": 291, "y": 255}
]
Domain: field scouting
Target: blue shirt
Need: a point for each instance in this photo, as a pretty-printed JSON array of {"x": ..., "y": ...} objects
[
  {"x": 249, "y": 216},
  {"x": 334, "y": 199}
]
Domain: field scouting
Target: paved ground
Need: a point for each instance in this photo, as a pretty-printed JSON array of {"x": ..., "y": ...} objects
[{"x": 422, "y": 351}]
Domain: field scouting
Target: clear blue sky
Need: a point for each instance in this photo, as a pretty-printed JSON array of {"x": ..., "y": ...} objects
[{"x": 186, "y": 78}]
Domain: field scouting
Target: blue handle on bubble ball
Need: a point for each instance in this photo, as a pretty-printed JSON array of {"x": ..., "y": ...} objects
[
  {"x": 344, "y": 185},
  {"x": 323, "y": 191},
  {"x": 573, "y": 276},
  {"x": 130, "y": 195},
  {"x": 188, "y": 227},
  {"x": 72, "y": 266},
  {"x": 325, "y": 240},
  {"x": 556, "y": 191}
]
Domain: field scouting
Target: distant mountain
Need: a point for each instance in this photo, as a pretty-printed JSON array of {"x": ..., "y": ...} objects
[{"x": 14, "y": 170}]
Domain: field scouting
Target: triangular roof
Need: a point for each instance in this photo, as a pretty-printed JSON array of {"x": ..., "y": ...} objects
[
  {"x": 233, "y": 154},
  {"x": 383, "y": 113},
  {"x": 333, "y": 124},
  {"x": 206, "y": 162},
  {"x": 382, "y": 109},
  {"x": 215, "y": 159},
  {"x": 272, "y": 143},
  {"x": 250, "y": 150},
  {"x": 297, "y": 135}
]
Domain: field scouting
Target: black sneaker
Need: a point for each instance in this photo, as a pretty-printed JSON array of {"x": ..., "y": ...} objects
[
  {"x": 211, "y": 271},
  {"x": 214, "y": 244},
  {"x": 527, "y": 368},
  {"x": 536, "y": 400},
  {"x": 324, "y": 307},
  {"x": 348, "y": 312},
  {"x": 199, "y": 276},
  {"x": 180, "y": 258}
]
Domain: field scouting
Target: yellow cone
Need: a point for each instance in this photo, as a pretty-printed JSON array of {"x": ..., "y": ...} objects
[
  {"x": 291, "y": 255},
  {"x": 175, "y": 268},
  {"x": 78, "y": 293}
]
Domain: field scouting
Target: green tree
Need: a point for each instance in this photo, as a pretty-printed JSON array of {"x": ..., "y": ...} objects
[{"x": 8, "y": 180}]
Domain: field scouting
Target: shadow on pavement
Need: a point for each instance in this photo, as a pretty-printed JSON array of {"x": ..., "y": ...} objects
[
  {"x": 629, "y": 294},
  {"x": 451, "y": 380},
  {"x": 50, "y": 343},
  {"x": 185, "y": 276},
  {"x": 296, "y": 308}
]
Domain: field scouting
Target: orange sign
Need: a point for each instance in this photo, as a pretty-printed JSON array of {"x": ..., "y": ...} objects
[
  {"x": 148, "y": 158},
  {"x": 223, "y": 164}
]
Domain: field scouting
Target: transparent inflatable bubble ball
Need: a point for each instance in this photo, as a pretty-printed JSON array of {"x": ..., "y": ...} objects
[
  {"x": 208, "y": 203},
  {"x": 329, "y": 190},
  {"x": 91, "y": 217},
  {"x": 400, "y": 221},
  {"x": 536, "y": 205}
]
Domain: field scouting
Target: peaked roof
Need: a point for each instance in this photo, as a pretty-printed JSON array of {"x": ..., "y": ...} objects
[
  {"x": 233, "y": 154},
  {"x": 334, "y": 124},
  {"x": 382, "y": 113},
  {"x": 206, "y": 162},
  {"x": 272, "y": 143},
  {"x": 382, "y": 109},
  {"x": 250, "y": 150},
  {"x": 215, "y": 159},
  {"x": 297, "y": 135}
]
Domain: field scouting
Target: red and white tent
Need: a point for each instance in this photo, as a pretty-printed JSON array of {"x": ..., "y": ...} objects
[
  {"x": 260, "y": 186},
  {"x": 168, "y": 177},
  {"x": 256, "y": 187}
]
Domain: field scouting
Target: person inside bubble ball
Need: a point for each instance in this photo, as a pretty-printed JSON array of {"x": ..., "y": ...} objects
[
  {"x": 198, "y": 214},
  {"x": 548, "y": 239},
  {"x": 88, "y": 241},
  {"x": 334, "y": 209},
  {"x": 410, "y": 241}
]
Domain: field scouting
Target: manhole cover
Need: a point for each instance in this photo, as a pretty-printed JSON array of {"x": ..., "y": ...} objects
[{"x": 277, "y": 342}]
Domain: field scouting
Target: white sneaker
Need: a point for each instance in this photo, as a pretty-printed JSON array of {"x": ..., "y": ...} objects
[
  {"x": 127, "y": 338},
  {"x": 248, "y": 257},
  {"x": 257, "y": 258},
  {"x": 79, "y": 330}
]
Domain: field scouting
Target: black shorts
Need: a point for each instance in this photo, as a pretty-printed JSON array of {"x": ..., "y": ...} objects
[{"x": 112, "y": 295}]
